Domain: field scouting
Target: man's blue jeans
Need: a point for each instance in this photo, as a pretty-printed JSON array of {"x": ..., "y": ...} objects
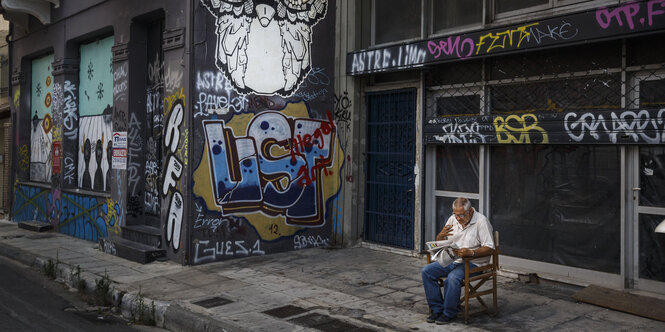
[{"x": 451, "y": 286}]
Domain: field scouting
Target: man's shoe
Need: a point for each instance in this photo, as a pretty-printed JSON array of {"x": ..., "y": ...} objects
[
  {"x": 434, "y": 316},
  {"x": 443, "y": 319}
]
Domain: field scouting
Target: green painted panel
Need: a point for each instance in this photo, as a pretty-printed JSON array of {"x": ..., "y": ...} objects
[
  {"x": 42, "y": 86},
  {"x": 96, "y": 77}
]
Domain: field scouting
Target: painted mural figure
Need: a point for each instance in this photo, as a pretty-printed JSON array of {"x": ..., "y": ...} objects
[
  {"x": 99, "y": 179},
  {"x": 264, "y": 46},
  {"x": 109, "y": 157},
  {"x": 87, "y": 181}
]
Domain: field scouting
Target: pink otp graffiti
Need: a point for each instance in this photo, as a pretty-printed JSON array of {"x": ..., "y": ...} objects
[{"x": 629, "y": 12}]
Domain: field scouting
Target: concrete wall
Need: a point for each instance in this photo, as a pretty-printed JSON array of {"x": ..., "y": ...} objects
[
  {"x": 246, "y": 153},
  {"x": 268, "y": 159},
  {"x": 78, "y": 187}
]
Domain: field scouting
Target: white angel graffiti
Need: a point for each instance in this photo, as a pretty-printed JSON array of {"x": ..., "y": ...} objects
[{"x": 264, "y": 46}]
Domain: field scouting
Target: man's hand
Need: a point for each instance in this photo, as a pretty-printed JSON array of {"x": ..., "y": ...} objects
[
  {"x": 463, "y": 252},
  {"x": 466, "y": 252},
  {"x": 445, "y": 232}
]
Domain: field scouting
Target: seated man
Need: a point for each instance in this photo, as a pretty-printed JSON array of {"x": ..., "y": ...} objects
[{"x": 472, "y": 233}]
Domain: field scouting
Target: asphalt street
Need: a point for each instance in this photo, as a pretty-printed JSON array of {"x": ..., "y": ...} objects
[{"x": 32, "y": 302}]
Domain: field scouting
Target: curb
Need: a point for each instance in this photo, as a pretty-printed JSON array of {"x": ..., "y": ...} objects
[{"x": 168, "y": 315}]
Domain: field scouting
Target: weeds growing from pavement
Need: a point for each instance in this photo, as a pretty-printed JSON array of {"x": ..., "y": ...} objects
[
  {"x": 141, "y": 313},
  {"x": 102, "y": 296},
  {"x": 49, "y": 269},
  {"x": 79, "y": 282}
]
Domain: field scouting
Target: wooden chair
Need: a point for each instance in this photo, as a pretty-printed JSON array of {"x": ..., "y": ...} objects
[{"x": 472, "y": 284}]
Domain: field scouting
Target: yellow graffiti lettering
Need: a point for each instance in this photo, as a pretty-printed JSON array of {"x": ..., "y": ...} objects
[
  {"x": 24, "y": 160},
  {"x": 499, "y": 39},
  {"x": 111, "y": 218},
  {"x": 17, "y": 97},
  {"x": 170, "y": 99},
  {"x": 183, "y": 152},
  {"x": 525, "y": 126}
]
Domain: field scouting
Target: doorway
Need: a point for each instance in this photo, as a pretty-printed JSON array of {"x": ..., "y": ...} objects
[
  {"x": 391, "y": 143},
  {"x": 646, "y": 264},
  {"x": 648, "y": 197}
]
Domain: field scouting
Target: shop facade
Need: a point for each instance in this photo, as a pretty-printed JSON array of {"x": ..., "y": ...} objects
[
  {"x": 209, "y": 130},
  {"x": 548, "y": 115}
]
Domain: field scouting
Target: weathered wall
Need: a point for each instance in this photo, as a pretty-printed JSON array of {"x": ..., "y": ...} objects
[
  {"x": 267, "y": 163},
  {"x": 91, "y": 90}
]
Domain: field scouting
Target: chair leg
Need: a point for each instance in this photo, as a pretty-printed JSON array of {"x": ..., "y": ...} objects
[
  {"x": 496, "y": 307},
  {"x": 467, "y": 284}
]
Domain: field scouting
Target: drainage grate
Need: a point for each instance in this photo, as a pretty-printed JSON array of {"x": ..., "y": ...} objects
[
  {"x": 213, "y": 302},
  {"x": 285, "y": 311},
  {"x": 325, "y": 323}
]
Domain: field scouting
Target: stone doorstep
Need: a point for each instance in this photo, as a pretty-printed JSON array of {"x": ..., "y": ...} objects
[{"x": 35, "y": 226}]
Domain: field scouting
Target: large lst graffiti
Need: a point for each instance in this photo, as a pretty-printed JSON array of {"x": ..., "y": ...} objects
[
  {"x": 277, "y": 167},
  {"x": 277, "y": 171}
]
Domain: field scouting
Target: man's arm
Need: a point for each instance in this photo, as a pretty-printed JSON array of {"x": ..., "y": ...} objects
[{"x": 479, "y": 252}]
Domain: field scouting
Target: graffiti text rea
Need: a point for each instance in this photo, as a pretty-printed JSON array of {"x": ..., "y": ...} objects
[
  {"x": 276, "y": 168},
  {"x": 629, "y": 12}
]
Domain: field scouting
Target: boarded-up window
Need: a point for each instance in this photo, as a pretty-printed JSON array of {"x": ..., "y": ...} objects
[{"x": 41, "y": 122}]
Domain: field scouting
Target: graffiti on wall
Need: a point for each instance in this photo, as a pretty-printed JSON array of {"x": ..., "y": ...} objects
[
  {"x": 17, "y": 97},
  {"x": 30, "y": 203},
  {"x": 519, "y": 129},
  {"x": 265, "y": 129},
  {"x": 154, "y": 123},
  {"x": 216, "y": 95},
  {"x": 85, "y": 217},
  {"x": 343, "y": 105},
  {"x": 636, "y": 126},
  {"x": 70, "y": 120},
  {"x": 173, "y": 170},
  {"x": 585, "y": 26},
  {"x": 281, "y": 165},
  {"x": 265, "y": 47},
  {"x": 644, "y": 126}
]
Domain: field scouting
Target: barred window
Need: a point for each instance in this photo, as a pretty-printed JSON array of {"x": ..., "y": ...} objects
[
  {"x": 447, "y": 14},
  {"x": 588, "y": 93},
  {"x": 503, "y": 6},
  {"x": 396, "y": 20}
]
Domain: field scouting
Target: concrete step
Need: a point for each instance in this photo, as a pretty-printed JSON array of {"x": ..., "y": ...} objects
[
  {"x": 144, "y": 234},
  {"x": 35, "y": 226},
  {"x": 133, "y": 251}
]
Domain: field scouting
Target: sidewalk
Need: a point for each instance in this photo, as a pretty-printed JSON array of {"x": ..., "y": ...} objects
[{"x": 355, "y": 289}]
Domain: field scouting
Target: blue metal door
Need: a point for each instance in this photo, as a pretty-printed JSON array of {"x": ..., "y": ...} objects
[{"x": 389, "y": 195}]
